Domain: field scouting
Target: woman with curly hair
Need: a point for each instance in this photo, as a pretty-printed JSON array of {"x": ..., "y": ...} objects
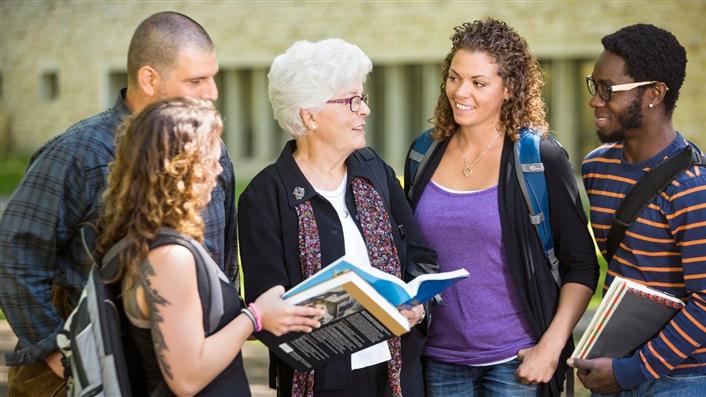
[
  {"x": 165, "y": 168},
  {"x": 506, "y": 330}
]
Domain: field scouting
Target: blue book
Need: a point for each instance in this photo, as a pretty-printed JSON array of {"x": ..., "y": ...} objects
[
  {"x": 361, "y": 308},
  {"x": 396, "y": 291}
]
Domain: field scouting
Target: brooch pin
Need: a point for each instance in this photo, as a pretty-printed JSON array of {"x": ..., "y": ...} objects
[{"x": 298, "y": 192}]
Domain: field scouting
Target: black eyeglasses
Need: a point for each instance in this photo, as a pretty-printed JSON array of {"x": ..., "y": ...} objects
[
  {"x": 605, "y": 91},
  {"x": 353, "y": 102}
]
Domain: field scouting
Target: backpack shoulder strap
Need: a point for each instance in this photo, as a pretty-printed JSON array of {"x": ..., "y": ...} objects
[
  {"x": 419, "y": 155},
  {"x": 377, "y": 169},
  {"x": 697, "y": 157},
  {"x": 109, "y": 263},
  {"x": 645, "y": 191},
  {"x": 533, "y": 183},
  {"x": 207, "y": 274},
  {"x": 207, "y": 271}
]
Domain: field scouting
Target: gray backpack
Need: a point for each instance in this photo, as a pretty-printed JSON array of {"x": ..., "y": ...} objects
[
  {"x": 99, "y": 358},
  {"x": 91, "y": 341}
]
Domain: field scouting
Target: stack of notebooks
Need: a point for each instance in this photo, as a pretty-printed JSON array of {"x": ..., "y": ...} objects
[{"x": 629, "y": 315}]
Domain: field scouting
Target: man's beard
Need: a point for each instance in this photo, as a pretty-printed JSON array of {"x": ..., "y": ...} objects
[{"x": 630, "y": 119}]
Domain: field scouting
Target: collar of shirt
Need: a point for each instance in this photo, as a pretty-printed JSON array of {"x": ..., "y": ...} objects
[{"x": 298, "y": 187}]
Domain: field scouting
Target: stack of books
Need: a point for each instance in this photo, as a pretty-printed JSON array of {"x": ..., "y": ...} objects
[
  {"x": 629, "y": 315},
  {"x": 361, "y": 306}
]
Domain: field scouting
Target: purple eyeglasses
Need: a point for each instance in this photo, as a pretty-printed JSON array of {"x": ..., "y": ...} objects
[{"x": 352, "y": 102}]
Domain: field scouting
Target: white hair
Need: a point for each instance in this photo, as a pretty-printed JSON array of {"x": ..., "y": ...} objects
[{"x": 310, "y": 73}]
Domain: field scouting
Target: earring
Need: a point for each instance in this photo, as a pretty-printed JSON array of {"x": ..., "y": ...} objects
[
  {"x": 651, "y": 105},
  {"x": 313, "y": 126}
]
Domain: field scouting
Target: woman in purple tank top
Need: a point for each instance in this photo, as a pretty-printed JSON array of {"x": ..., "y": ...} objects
[{"x": 506, "y": 330}]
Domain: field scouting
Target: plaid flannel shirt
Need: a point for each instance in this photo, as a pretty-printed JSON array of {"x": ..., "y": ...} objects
[{"x": 40, "y": 243}]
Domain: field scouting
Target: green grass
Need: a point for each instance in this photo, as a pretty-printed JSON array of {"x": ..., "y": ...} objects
[
  {"x": 598, "y": 295},
  {"x": 14, "y": 165},
  {"x": 240, "y": 185},
  {"x": 12, "y": 168}
]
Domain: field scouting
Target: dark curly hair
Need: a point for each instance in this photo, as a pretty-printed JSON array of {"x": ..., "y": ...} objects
[
  {"x": 166, "y": 163},
  {"x": 650, "y": 54},
  {"x": 518, "y": 69}
]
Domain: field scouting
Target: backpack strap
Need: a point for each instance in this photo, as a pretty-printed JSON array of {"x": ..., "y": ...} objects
[
  {"x": 109, "y": 263},
  {"x": 533, "y": 183},
  {"x": 422, "y": 149},
  {"x": 377, "y": 170},
  {"x": 207, "y": 271},
  {"x": 645, "y": 191},
  {"x": 208, "y": 274}
]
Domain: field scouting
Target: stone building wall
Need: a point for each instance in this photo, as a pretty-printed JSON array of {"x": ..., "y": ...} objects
[{"x": 79, "y": 45}]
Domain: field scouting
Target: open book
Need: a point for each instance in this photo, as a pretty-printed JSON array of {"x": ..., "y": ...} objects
[
  {"x": 396, "y": 291},
  {"x": 629, "y": 315},
  {"x": 361, "y": 309}
]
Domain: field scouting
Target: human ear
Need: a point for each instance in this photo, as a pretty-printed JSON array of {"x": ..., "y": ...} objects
[
  {"x": 308, "y": 118},
  {"x": 657, "y": 92},
  {"x": 148, "y": 80}
]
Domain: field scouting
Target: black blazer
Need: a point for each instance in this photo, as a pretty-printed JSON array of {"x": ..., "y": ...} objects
[
  {"x": 269, "y": 230},
  {"x": 573, "y": 244}
]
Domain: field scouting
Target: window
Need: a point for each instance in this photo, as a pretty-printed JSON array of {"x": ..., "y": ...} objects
[
  {"x": 49, "y": 85},
  {"x": 402, "y": 100}
]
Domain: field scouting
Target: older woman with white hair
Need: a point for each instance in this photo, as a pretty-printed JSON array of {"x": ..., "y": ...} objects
[{"x": 323, "y": 199}]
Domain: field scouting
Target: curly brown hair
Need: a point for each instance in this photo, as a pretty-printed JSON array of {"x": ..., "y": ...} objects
[
  {"x": 519, "y": 70},
  {"x": 165, "y": 167}
]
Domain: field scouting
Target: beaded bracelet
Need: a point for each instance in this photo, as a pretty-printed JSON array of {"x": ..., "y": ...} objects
[
  {"x": 249, "y": 315},
  {"x": 256, "y": 313}
]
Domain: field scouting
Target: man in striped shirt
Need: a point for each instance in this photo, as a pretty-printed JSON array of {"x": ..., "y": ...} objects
[{"x": 634, "y": 86}]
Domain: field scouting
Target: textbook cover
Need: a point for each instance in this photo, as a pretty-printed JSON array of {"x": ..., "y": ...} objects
[
  {"x": 629, "y": 315},
  {"x": 358, "y": 313}
]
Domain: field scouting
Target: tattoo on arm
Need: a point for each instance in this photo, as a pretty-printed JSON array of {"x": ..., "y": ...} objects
[{"x": 155, "y": 301}]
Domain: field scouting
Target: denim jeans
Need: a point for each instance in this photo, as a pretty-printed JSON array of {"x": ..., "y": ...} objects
[
  {"x": 453, "y": 380},
  {"x": 667, "y": 386}
]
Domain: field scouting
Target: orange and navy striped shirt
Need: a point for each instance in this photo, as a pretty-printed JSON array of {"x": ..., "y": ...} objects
[{"x": 664, "y": 249}]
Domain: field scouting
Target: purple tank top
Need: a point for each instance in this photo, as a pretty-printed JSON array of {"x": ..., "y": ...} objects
[{"x": 481, "y": 320}]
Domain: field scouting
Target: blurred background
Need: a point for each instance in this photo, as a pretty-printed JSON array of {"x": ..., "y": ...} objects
[{"x": 62, "y": 61}]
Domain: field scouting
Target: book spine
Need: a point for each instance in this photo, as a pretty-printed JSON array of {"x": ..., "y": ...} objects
[
  {"x": 603, "y": 320},
  {"x": 656, "y": 298}
]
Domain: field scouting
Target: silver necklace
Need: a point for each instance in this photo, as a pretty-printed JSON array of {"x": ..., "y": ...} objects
[{"x": 468, "y": 168}]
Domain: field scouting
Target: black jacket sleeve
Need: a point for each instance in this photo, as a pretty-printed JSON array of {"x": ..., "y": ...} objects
[
  {"x": 261, "y": 244},
  {"x": 573, "y": 243}
]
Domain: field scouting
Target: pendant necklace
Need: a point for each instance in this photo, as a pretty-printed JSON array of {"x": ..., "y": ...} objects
[{"x": 468, "y": 168}]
